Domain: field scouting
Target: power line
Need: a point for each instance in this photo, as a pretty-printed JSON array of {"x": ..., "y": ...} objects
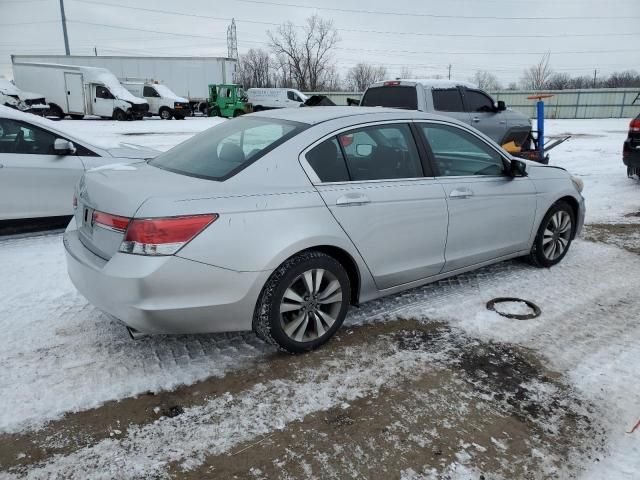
[
  {"x": 16, "y": 24},
  {"x": 429, "y": 15},
  {"x": 377, "y": 32}
]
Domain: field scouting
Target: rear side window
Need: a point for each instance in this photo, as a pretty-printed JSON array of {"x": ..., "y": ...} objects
[
  {"x": 327, "y": 161},
  {"x": 393, "y": 97},
  {"x": 222, "y": 151},
  {"x": 447, "y": 100},
  {"x": 478, "y": 101}
]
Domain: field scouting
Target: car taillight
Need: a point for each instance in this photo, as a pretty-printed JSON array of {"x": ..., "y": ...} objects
[
  {"x": 75, "y": 201},
  {"x": 634, "y": 125},
  {"x": 163, "y": 236},
  {"x": 391, "y": 83},
  {"x": 110, "y": 222}
]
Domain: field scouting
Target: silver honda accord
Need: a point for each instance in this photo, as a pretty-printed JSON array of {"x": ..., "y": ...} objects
[{"x": 279, "y": 221}]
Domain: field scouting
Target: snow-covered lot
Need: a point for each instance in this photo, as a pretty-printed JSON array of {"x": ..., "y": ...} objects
[{"x": 419, "y": 385}]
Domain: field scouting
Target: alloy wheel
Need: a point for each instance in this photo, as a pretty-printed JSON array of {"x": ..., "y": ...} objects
[
  {"x": 310, "y": 305},
  {"x": 557, "y": 235}
]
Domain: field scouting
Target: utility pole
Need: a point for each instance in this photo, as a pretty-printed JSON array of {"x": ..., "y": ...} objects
[
  {"x": 95, "y": 50},
  {"x": 595, "y": 73},
  {"x": 449, "y": 71},
  {"x": 64, "y": 28}
]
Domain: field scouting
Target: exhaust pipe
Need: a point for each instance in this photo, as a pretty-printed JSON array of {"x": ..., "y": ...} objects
[{"x": 135, "y": 334}]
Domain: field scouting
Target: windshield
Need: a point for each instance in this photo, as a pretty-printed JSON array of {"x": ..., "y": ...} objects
[
  {"x": 393, "y": 97},
  {"x": 222, "y": 151}
]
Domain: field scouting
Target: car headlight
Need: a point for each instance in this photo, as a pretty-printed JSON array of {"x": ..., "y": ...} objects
[{"x": 579, "y": 184}]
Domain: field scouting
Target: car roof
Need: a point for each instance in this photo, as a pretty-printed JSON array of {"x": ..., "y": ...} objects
[
  {"x": 315, "y": 115},
  {"x": 428, "y": 83}
]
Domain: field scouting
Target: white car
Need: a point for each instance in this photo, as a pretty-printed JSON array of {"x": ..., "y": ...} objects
[
  {"x": 12, "y": 96},
  {"x": 40, "y": 165}
]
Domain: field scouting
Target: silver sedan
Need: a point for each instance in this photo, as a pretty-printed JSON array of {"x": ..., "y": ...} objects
[{"x": 279, "y": 221}]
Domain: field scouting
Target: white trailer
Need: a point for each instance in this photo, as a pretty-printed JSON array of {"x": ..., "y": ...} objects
[
  {"x": 188, "y": 77},
  {"x": 78, "y": 90}
]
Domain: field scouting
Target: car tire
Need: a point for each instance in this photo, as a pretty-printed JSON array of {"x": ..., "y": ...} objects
[
  {"x": 313, "y": 310},
  {"x": 165, "y": 114},
  {"x": 554, "y": 236},
  {"x": 77, "y": 117},
  {"x": 119, "y": 115},
  {"x": 56, "y": 111},
  {"x": 237, "y": 113}
]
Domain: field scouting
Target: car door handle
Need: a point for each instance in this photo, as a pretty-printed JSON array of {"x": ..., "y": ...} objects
[
  {"x": 503, "y": 122},
  {"x": 460, "y": 193},
  {"x": 352, "y": 200},
  {"x": 475, "y": 119}
]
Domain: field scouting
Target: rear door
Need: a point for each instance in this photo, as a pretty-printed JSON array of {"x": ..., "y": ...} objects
[
  {"x": 491, "y": 214},
  {"x": 34, "y": 182},
  {"x": 449, "y": 102},
  {"x": 75, "y": 93},
  {"x": 484, "y": 116},
  {"x": 372, "y": 179}
]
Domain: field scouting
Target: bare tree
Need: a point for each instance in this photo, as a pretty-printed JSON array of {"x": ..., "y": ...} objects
[
  {"x": 559, "y": 81},
  {"x": 536, "y": 76},
  {"x": 362, "y": 75},
  {"x": 255, "y": 68},
  {"x": 406, "y": 72},
  {"x": 486, "y": 80},
  {"x": 306, "y": 58}
]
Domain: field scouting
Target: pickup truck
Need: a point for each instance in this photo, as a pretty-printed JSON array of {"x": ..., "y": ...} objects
[{"x": 460, "y": 100}]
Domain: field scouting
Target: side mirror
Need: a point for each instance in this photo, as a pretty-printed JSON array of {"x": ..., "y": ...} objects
[
  {"x": 501, "y": 106},
  {"x": 364, "y": 150},
  {"x": 517, "y": 168},
  {"x": 63, "y": 147}
]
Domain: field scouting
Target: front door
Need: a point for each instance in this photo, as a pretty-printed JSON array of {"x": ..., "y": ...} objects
[
  {"x": 75, "y": 93},
  {"x": 102, "y": 101},
  {"x": 372, "y": 180},
  {"x": 484, "y": 114},
  {"x": 34, "y": 182},
  {"x": 491, "y": 214},
  {"x": 448, "y": 101},
  {"x": 152, "y": 97}
]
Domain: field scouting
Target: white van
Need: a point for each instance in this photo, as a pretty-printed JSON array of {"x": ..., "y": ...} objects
[
  {"x": 79, "y": 91},
  {"x": 162, "y": 101},
  {"x": 12, "y": 96},
  {"x": 266, "y": 98}
]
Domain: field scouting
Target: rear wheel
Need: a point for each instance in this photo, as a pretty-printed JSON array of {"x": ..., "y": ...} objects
[
  {"x": 77, "y": 117},
  {"x": 237, "y": 113},
  {"x": 165, "y": 114},
  {"x": 215, "y": 111},
  {"x": 554, "y": 236},
  {"x": 119, "y": 115},
  {"x": 55, "y": 111},
  {"x": 303, "y": 303}
]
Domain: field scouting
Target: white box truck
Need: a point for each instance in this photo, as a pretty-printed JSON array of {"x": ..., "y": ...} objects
[
  {"x": 189, "y": 77},
  {"x": 79, "y": 91},
  {"x": 162, "y": 101},
  {"x": 267, "y": 98}
]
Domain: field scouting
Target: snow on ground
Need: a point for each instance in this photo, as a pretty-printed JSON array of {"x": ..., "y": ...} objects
[{"x": 59, "y": 354}]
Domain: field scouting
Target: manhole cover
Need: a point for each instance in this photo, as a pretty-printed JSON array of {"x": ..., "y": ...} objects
[{"x": 516, "y": 308}]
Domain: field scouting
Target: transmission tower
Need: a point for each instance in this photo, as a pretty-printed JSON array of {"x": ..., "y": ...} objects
[{"x": 232, "y": 40}]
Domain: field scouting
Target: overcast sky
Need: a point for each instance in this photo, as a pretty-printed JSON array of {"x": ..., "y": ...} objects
[{"x": 501, "y": 36}]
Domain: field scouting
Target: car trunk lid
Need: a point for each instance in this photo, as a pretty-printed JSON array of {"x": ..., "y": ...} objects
[{"x": 108, "y": 197}]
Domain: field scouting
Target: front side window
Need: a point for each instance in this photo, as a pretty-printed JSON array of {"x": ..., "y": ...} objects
[
  {"x": 103, "y": 92},
  {"x": 381, "y": 152},
  {"x": 222, "y": 151},
  {"x": 23, "y": 138},
  {"x": 478, "y": 101},
  {"x": 149, "y": 92},
  {"x": 459, "y": 153},
  {"x": 447, "y": 100}
]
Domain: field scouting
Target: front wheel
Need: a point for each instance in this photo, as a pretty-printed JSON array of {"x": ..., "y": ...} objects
[
  {"x": 554, "y": 236},
  {"x": 303, "y": 303},
  {"x": 165, "y": 114},
  {"x": 119, "y": 115}
]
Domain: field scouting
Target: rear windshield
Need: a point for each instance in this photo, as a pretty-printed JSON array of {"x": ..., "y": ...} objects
[
  {"x": 393, "y": 97},
  {"x": 222, "y": 151}
]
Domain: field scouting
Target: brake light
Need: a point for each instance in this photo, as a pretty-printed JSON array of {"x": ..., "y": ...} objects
[
  {"x": 163, "y": 236},
  {"x": 75, "y": 201},
  {"x": 634, "y": 125},
  {"x": 110, "y": 222},
  {"x": 391, "y": 83}
]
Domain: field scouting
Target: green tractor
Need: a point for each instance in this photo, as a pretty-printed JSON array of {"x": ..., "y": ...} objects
[{"x": 228, "y": 100}]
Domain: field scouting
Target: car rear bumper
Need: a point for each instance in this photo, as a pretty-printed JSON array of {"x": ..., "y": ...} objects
[
  {"x": 164, "y": 294},
  {"x": 631, "y": 154}
]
